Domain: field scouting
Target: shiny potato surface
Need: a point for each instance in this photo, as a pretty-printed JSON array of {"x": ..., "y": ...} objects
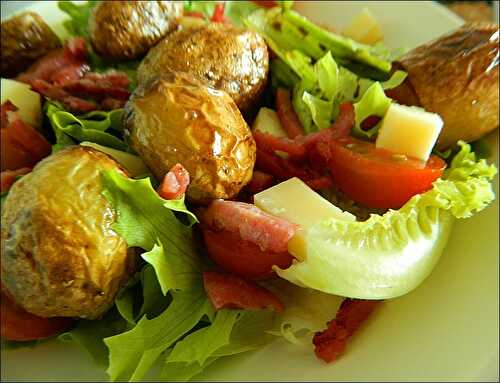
[
  {"x": 177, "y": 119},
  {"x": 60, "y": 256},
  {"x": 456, "y": 76},
  {"x": 124, "y": 30},
  {"x": 222, "y": 56},
  {"x": 25, "y": 38}
]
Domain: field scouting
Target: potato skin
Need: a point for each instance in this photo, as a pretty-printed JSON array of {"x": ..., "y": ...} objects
[
  {"x": 222, "y": 56},
  {"x": 25, "y": 38},
  {"x": 124, "y": 30},
  {"x": 60, "y": 256},
  {"x": 174, "y": 118},
  {"x": 456, "y": 76}
]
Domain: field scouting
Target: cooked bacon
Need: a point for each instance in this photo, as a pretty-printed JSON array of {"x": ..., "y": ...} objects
[
  {"x": 174, "y": 183},
  {"x": 63, "y": 75},
  {"x": 320, "y": 183},
  {"x": 260, "y": 181},
  {"x": 270, "y": 143},
  {"x": 331, "y": 343},
  {"x": 254, "y": 225},
  {"x": 230, "y": 291},
  {"x": 8, "y": 177},
  {"x": 288, "y": 118},
  {"x": 71, "y": 56},
  {"x": 27, "y": 136}
]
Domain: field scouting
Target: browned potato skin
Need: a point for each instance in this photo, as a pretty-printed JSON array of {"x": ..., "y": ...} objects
[
  {"x": 456, "y": 76},
  {"x": 222, "y": 56},
  {"x": 60, "y": 256},
  {"x": 124, "y": 30},
  {"x": 25, "y": 38},
  {"x": 176, "y": 119}
]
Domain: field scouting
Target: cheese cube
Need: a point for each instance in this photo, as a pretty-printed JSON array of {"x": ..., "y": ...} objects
[
  {"x": 27, "y": 101},
  {"x": 409, "y": 130},
  {"x": 296, "y": 202},
  {"x": 364, "y": 28},
  {"x": 267, "y": 121}
]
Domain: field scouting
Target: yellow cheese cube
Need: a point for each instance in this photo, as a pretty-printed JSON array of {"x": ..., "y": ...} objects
[
  {"x": 296, "y": 202},
  {"x": 27, "y": 101},
  {"x": 267, "y": 121},
  {"x": 364, "y": 28},
  {"x": 410, "y": 131}
]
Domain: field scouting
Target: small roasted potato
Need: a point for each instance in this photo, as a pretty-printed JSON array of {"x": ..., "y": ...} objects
[
  {"x": 60, "y": 255},
  {"x": 125, "y": 30},
  {"x": 174, "y": 118},
  {"x": 25, "y": 38},
  {"x": 222, "y": 56},
  {"x": 455, "y": 76}
]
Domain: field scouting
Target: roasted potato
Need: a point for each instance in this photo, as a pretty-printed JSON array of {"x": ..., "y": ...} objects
[
  {"x": 455, "y": 76},
  {"x": 25, "y": 38},
  {"x": 175, "y": 118},
  {"x": 124, "y": 30},
  {"x": 224, "y": 57},
  {"x": 60, "y": 256}
]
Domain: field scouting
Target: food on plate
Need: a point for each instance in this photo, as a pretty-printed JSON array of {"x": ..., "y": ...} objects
[
  {"x": 125, "y": 30},
  {"x": 224, "y": 57},
  {"x": 144, "y": 204},
  {"x": 60, "y": 255},
  {"x": 465, "y": 63},
  {"x": 175, "y": 118},
  {"x": 25, "y": 38}
]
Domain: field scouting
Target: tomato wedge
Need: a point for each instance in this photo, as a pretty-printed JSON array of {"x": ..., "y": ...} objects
[
  {"x": 377, "y": 178},
  {"x": 19, "y": 325}
]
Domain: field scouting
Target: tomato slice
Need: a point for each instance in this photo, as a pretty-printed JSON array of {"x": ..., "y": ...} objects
[
  {"x": 241, "y": 257},
  {"x": 377, "y": 178},
  {"x": 19, "y": 325}
]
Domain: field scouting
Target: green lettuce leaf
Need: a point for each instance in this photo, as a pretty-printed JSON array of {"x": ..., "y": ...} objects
[
  {"x": 234, "y": 332},
  {"x": 321, "y": 111},
  {"x": 236, "y": 11},
  {"x": 77, "y": 24},
  {"x": 389, "y": 255},
  {"x": 132, "y": 353},
  {"x": 148, "y": 221},
  {"x": 373, "y": 103},
  {"x": 96, "y": 127}
]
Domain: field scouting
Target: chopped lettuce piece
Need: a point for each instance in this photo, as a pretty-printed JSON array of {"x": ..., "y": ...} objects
[
  {"x": 78, "y": 23},
  {"x": 373, "y": 103},
  {"x": 327, "y": 73},
  {"x": 390, "y": 255},
  {"x": 236, "y": 11},
  {"x": 96, "y": 127},
  {"x": 321, "y": 111}
]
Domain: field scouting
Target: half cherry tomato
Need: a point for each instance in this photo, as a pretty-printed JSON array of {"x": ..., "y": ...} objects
[
  {"x": 377, "y": 178},
  {"x": 19, "y": 325}
]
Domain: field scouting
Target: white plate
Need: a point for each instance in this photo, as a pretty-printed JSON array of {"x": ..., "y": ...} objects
[{"x": 446, "y": 330}]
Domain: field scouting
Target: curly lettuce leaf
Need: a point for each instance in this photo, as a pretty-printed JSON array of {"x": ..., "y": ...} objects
[
  {"x": 389, "y": 255},
  {"x": 148, "y": 221},
  {"x": 96, "y": 127}
]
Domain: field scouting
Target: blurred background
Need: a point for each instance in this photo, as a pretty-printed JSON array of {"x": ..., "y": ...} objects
[{"x": 474, "y": 10}]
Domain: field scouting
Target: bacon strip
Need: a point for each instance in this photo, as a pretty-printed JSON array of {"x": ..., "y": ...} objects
[
  {"x": 63, "y": 75},
  {"x": 268, "y": 232},
  {"x": 230, "y": 291},
  {"x": 330, "y": 344},
  {"x": 174, "y": 183},
  {"x": 288, "y": 118},
  {"x": 260, "y": 181},
  {"x": 8, "y": 177}
]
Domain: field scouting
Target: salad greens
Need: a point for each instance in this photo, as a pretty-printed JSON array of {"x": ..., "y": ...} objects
[
  {"x": 315, "y": 63},
  {"x": 396, "y": 251},
  {"x": 99, "y": 127}
]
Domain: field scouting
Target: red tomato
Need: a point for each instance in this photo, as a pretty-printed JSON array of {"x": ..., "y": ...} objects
[
  {"x": 377, "y": 178},
  {"x": 242, "y": 257},
  {"x": 266, "y": 3},
  {"x": 19, "y": 325}
]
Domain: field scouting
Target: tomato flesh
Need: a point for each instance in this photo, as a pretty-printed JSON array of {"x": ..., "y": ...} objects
[
  {"x": 19, "y": 325},
  {"x": 377, "y": 178},
  {"x": 241, "y": 257}
]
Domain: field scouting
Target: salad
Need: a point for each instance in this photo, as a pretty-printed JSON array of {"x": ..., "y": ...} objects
[{"x": 179, "y": 179}]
